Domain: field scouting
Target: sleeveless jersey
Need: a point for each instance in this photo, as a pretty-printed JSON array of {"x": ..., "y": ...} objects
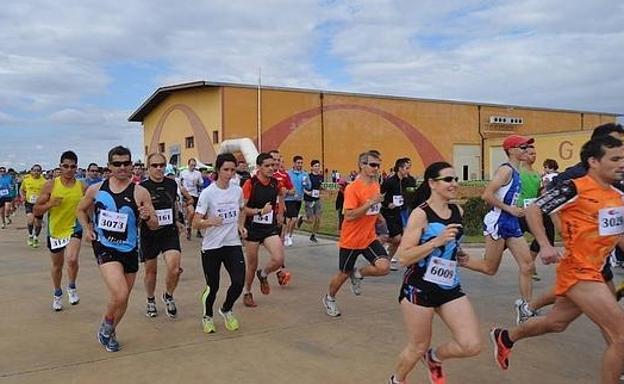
[
  {"x": 115, "y": 218},
  {"x": 33, "y": 187},
  {"x": 163, "y": 195},
  {"x": 262, "y": 194},
  {"x": 62, "y": 220}
]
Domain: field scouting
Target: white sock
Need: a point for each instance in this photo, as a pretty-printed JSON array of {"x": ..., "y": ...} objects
[{"x": 357, "y": 274}]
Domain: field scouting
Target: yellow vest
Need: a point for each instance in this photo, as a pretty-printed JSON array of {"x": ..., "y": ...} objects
[
  {"x": 62, "y": 219},
  {"x": 33, "y": 187}
]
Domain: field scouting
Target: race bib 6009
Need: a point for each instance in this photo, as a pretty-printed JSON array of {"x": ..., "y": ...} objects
[{"x": 441, "y": 271}]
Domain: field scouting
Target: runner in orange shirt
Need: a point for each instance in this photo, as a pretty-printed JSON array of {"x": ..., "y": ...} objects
[
  {"x": 592, "y": 222},
  {"x": 362, "y": 203}
]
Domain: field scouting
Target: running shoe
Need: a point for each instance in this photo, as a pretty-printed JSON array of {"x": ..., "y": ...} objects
[
  {"x": 29, "y": 242},
  {"x": 208, "y": 325},
  {"x": 150, "y": 309},
  {"x": 536, "y": 277},
  {"x": 170, "y": 306},
  {"x": 113, "y": 344},
  {"x": 73, "y": 296},
  {"x": 9, "y": 220},
  {"x": 231, "y": 323},
  {"x": 313, "y": 238},
  {"x": 523, "y": 311},
  {"x": 264, "y": 283},
  {"x": 436, "y": 374},
  {"x": 356, "y": 284},
  {"x": 501, "y": 352},
  {"x": 106, "y": 337},
  {"x": 283, "y": 277},
  {"x": 299, "y": 221},
  {"x": 188, "y": 233},
  {"x": 394, "y": 264},
  {"x": 3, "y": 226},
  {"x": 331, "y": 308},
  {"x": 392, "y": 380},
  {"x": 248, "y": 300},
  {"x": 35, "y": 243},
  {"x": 57, "y": 303},
  {"x": 288, "y": 241}
]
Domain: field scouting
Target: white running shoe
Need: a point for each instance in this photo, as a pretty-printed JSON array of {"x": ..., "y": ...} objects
[
  {"x": 57, "y": 303},
  {"x": 523, "y": 311},
  {"x": 394, "y": 264},
  {"x": 331, "y": 309},
  {"x": 73, "y": 296},
  {"x": 356, "y": 284}
]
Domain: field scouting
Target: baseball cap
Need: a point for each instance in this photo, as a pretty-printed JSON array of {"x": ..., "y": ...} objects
[{"x": 514, "y": 141}]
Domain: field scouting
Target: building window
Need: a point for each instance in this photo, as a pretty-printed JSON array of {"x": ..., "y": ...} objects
[
  {"x": 215, "y": 137},
  {"x": 161, "y": 147},
  {"x": 189, "y": 142}
]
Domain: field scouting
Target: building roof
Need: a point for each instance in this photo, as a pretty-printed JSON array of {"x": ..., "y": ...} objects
[{"x": 161, "y": 93}]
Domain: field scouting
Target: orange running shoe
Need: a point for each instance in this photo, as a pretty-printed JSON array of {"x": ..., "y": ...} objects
[
  {"x": 501, "y": 352},
  {"x": 436, "y": 374},
  {"x": 283, "y": 277},
  {"x": 249, "y": 301},
  {"x": 264, "y": 283}
]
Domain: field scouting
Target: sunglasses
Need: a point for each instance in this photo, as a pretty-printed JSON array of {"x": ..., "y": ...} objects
[
  {"x": 69, "y": 166},
  {"x": 448, "y": 179},
  {"x": 120, "y": 163},
  {"x": 373, "y": 165},
  {"x": 524, "y": 147},
  {"x": 158, "y": 165},
  {"x": 36, "y": 170}
]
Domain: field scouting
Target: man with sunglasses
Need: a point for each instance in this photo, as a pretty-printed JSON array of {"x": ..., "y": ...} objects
[
  {"x": 118, "y": 205},
  {"x": 165, "y": 240},
  {"x": 362, "y": 204},
  {"x": 6, "y": 180},
  {"x": 93, "y": 175},
  {"x": 30, "y": 190},
  {"x": 502, "y": 227},
  {"x": 59, "y": 197}
]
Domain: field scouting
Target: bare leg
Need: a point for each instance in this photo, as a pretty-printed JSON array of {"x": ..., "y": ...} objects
[
  {"x": 418, "y": 326},
  {"x": 462, "y": 320}
]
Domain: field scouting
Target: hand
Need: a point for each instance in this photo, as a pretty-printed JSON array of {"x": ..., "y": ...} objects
[
  {"x": 243, "y": 232},
  {"x": 549, "y": 255},
  {"x": 516, "y": 211},
  {"x": 214, "y": 220},
  {"x": 144, "y": 213},
  {"x": 266, "y": 209},
  {"x": 90, "y": 234},
  {"x": 55, "y": 201},
  {"x": 377, "y": 199},
  {"x": 462, "y": 257},
  {"x": 449, "y": 234}
]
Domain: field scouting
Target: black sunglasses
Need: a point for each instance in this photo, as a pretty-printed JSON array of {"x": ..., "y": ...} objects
[
  {"x": 158, "y": 165},
  {"x": 373, "y": 165},
  {"x": 448, "y": 179},
  {"x": 120, "y": 163}
]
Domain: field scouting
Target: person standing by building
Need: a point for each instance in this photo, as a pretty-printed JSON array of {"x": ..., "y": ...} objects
[{"x": 30, "y": 190}]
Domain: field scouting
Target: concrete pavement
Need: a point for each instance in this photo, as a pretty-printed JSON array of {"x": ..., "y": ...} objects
[{"x": 286, "y": 339}]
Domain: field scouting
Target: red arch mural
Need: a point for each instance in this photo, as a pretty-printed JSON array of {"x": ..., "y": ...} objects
[
  {"x": 205, "y": 148},
  {"x": 278, "y": 133}
]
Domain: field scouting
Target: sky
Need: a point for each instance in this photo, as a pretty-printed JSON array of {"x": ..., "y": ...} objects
[{"x": 72, "y": 72}]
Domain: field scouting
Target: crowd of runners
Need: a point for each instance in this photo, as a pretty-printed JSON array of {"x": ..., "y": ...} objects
[{"x": 131, "y": 217}]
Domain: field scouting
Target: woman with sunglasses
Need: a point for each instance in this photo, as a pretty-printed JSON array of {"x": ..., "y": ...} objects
[{"x": 430, "y": 249}]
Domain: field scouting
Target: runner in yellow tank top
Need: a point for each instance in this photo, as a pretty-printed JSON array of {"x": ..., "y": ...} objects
[
  {"x": 60, "y": 197},
  {"x": 30, "y": 191}
]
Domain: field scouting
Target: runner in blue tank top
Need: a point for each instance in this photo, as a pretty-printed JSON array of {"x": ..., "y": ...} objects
[
  {"x": 118, "y": 205},
  {"x": 430, "y": 250},
  {"x": 501, "y": 226}
]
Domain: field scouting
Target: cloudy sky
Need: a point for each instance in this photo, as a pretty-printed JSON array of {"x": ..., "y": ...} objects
[{"x": 71, "y": 72}]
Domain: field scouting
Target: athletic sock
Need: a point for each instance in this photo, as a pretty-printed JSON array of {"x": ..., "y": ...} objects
[
  {"x": 151, "y": 299},
  {"x": 433, "y": 357},
  {"x": 30, "y": 230},
  {"x": 168, "y": 296},
  {"x": 505, "y": 339},
  {"x": 263, "y": 274},
  {"x": 71, "y": 285},
  {"x": 357, "y": 274}
]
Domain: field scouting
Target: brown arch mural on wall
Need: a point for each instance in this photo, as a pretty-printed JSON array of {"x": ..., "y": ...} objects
[
  {"x": 205, "y": 149},
  {"x": 278, "y": 133}
]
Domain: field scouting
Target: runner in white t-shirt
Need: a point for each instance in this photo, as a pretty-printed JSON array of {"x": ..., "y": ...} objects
[
  {"x": 219, "y": 217},
  {"x": 191, "y": 180}
]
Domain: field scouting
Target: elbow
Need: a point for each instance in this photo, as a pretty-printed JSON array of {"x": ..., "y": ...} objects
[{"x": 403, "y": 262}]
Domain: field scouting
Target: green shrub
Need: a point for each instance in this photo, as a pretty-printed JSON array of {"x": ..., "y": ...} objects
[{"x": 474, "y": 210}]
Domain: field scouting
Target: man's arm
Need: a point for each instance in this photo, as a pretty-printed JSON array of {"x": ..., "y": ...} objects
[
  {"x": 501, "y": 178},
  {"x": 85, "y": 206},
  {"x": 44, "y": 202}
]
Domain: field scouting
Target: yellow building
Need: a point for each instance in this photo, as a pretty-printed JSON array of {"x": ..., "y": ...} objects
[{"x": 190, "y": 120}]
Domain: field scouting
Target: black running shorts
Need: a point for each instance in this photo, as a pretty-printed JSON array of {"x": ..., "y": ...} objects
[
  {"x": 152, "y": 246},
  {"x": 129, "y": 260},
  {"x": 292, "y": 208},
  {"x": 426, "y": 294},
  {"x": 347, "y": 257}
]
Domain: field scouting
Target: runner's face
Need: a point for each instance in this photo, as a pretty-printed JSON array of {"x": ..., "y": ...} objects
[
  {"x": 93, "y": 172},
  {"x": 120, "y": 167},
  {"x": 68, "y": 168},
  {"x": 298, "y": 165},
  {"x": 611, "y": 166},
  {"x": 35, "y": 172},
  {"x": 2, "y": 171},
  {"x": 267, "y": 168},
  {"x": 316, "y": 168},
  {"x": 531, "y": 155},
  {"x": 445, "y": 184},
  {"x": 405, "y": 170},
  {"x": 242, "y": 167},
  {"x": 227, "y": 171},
  {"x": 192, "y": 164},
  {"x": 157, "y": 167},
  {"x": 57, "y": 173},
  {"x": 371, "y": 167}
]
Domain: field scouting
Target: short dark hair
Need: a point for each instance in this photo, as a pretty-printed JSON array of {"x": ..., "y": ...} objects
[
  {"x": 119, "y": 150},
  {"x": 222, "y": 158},
  {"x": 272, "y": 151},
  {"x": 375, "y": 153},
  {"x": 551, "y": 163},
  {"x": 93, "y": 165},
  {"x": 297, "y": 158},
  {"x": 155, "y": 154},
  {"x": 263, "y": 156},
  {"x": 191, "y": 159},
  {"x": 36, "y": 165},
  {"x": 314, "y": 162},
  {"x": 400, "y": 163},
  {"x": 607, "y": 129},
  {"x": 69, "y": 155},
  {"x": 596, "y": 148}
]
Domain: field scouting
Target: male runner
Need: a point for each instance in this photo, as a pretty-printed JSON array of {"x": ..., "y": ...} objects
[
  {"x": 285, "y": 185},
  {"x": 30, "y": 190},
  {"x": 191, "y": 180},
  {"x": 118, "y": 206},
  {"x": 165, "y": 240},
  {"x": 93, "y": 175},
  {"x": 362, "y": 204},
  {"x": 6, "y": 181},
  {"x": 299, "y": 179},
  {"x": 592, "y": 223},
  {"x": 60, "y": 197},
  {"x": 312, "y": 200}
]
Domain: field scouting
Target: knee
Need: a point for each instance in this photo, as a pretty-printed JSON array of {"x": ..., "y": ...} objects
[
  {"x": 527, "y": 267},
  {"x": 119, "y": 298},
  {"x": 471, "y": 347},
  {"x": 383, "y": 267},
  {"x": 414, "y": 351},
  {"x": 490, "y": 269}
]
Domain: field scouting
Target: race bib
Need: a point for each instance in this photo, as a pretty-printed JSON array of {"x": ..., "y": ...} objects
[
  {"x": 33, "y": 199},
  {"x": 316, "y": 193},
  {"x": 112, "y": 221},
  {"x": 611, "y": 221},
  {"x": 165, "y": 216},
  {"x": 441, "y": 271},
  {"x": 374, "y": 209},
  {"x": 263, "y": 219},
  {"x": 229, "y": 213},
  {"x": 397, "y": 200},
  {"x": 4, "y": 192},
  {"x": 58, "y": 243},
  {"x": 528, "y": 202}
]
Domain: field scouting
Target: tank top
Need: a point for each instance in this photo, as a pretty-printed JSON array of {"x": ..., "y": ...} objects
[
  {"x": 33, "y": 187},
  {"x": 163, "y": 195},
  {"x": 62, "y": 219},
  {"x": 115, "y": 218},
  {"x": 260, "y": 195},
  {"x": 435, "y": 226}
]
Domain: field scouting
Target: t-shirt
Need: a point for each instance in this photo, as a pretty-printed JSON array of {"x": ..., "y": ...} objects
[
  {"x": 192, "y": 181},
  {"x": 530, "y": 183},
  {"x": 299, "y": 180},
  {"x": 314, "y": 186},
  {"x": 227, "y": 204},
  {"x": 359, "y": 233},
  {"x": 32, "y": 186},
  {"x": 284, "y": 179},
  {"x": 6, "y": 185}
]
